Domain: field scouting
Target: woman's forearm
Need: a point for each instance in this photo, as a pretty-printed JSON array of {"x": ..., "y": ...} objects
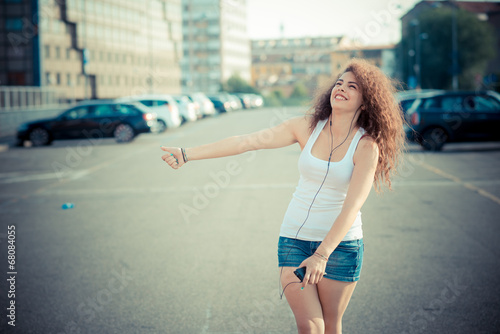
[
  {"x": 222, "y": 148},
  {"x": 338, "y": 231}
]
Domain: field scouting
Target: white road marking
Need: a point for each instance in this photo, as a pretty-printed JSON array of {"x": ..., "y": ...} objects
[{"x": 15, "y": 177}]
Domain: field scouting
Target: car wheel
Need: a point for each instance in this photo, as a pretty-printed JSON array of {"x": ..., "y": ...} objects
[
  {"x": 124, "y": 133},
  {"x": 162, "y": 127},
  {"x": 434, "y": 139},
  {"x": 39, "y": 137}
]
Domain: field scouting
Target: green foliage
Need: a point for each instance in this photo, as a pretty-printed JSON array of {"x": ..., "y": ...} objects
[
  {"x": 299, "y": 91},
  {"x": 235, "y": 84},
  {"x": 276, "y": 98},
  {"x": 476, "y": 47}
]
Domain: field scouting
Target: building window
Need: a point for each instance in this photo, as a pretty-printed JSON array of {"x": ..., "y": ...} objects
[
  {"x": 14, "y": 24},
  {"x": 58, "y": 52},
  {"x": 47, "y": 51},
  {"x": 68, "y": 79},
  {"x": 109, "y": 57},
  {"x": 47, "y": 78},
  {"x": 58, "y": 79},
  {"x": 68, "y": 53}
]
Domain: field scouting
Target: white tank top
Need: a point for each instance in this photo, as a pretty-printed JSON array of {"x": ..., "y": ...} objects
[{"x": 328, "y": 202}]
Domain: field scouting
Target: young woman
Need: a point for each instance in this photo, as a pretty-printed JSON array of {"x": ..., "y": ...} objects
[{"x": 351, "y": 141}]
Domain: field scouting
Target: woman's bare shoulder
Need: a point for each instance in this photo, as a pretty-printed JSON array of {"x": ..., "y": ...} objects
[
  {"x": 367, "y": 149},
  {"x": 301, "y": 128},
  {"x": 301, "y": 122}
]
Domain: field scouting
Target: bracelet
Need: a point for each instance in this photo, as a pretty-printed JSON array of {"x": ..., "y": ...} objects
[
  {"x": 321, "y": 256},
  {"x": 184, "y": 155}
]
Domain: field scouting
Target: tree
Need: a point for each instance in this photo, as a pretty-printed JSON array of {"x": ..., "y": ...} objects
[
  {"x": 235, "y": 84},
  {"x": 299, "y": 91},
  {"x": 476, "y": 47}
]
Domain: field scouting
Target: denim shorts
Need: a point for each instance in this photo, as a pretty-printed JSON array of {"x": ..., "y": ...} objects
[{"x": 344, "y": 264}]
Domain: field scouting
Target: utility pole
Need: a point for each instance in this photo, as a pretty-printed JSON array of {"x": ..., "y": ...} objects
[
  {"x": 454, "y": 45},
  {"x": 418, "y": 73},
  {"x": 85, "y": 51},
  {"x": 189, "y": 81},
  {"x": 148, "y": 17}
]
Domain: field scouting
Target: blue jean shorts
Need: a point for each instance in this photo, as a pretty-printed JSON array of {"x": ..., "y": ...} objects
[{"x": 344, "y": 264}]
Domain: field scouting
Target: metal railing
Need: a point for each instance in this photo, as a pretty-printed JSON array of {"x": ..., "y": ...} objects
[{"x": 29, "y": 97}]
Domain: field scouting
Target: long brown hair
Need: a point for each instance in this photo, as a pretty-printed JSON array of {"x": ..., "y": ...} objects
[{"x": 382, "y": 117}]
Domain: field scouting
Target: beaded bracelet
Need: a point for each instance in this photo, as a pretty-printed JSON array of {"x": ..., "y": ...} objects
[{"x": 321, "y": 256}]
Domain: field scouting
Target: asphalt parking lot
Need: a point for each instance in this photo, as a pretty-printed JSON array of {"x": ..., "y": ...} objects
[{"x": 147, "y": 249}]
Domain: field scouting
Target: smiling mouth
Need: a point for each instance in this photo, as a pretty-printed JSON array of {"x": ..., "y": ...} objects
[{"x": 340, "y": 98}]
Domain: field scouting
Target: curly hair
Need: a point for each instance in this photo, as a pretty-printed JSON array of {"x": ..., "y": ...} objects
[{"x": 382, "y": 117}]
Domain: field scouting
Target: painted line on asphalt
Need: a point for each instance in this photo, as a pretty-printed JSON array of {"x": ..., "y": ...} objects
[
  {"x": 6, "y": 178},
  {"x": 75, "y": 176},
  {"x": 457, "y": 180},
  {"x": 238, "y": 187}
]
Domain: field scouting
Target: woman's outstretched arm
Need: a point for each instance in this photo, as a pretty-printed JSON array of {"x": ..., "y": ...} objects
[{"x": 281, "y": 135}]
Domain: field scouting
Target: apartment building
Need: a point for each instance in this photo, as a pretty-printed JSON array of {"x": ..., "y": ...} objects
[{"x": 281, "y": 63}]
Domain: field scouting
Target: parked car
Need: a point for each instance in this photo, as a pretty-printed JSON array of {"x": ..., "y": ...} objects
[
  {"x": 206, "y": 107},
  {"x": 442, "y": 117},
  {"x": 221, "y": 103},
  {"x": 257, "y": 101},
  {"x": 246, "y": 100},
  {"x": 164, "y": 106},
  {"x": 406, "y": 98},
  {"x": 233, "y": 100},
  {"x": 91, "y": 119},
  {"x": 187, "y": 108}
]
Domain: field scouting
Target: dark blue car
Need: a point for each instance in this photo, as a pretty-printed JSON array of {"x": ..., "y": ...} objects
[
  {"x": 91, "y": 119},
  {"x": 453, "y": 116}
]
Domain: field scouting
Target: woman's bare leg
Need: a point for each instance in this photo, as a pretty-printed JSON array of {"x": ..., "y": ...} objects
[
  {"x": 305, "y": 304},
  {"x": 334, "y": 297}
]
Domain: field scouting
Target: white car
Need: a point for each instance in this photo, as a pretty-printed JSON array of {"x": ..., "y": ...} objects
[
  {"x": 187, "y": 108},
  {"x": 165, "y": 107},
  {"x": 206, "y": 107}
]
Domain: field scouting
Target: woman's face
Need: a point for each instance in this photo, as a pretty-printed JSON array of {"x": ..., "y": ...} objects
[{"x": 346, "y": 94}]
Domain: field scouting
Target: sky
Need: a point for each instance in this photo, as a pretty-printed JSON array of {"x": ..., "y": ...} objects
[{"x": 373, "y": 22}]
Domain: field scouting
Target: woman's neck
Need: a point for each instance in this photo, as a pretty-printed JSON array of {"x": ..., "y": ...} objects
[{"x": 342, "y": 122}]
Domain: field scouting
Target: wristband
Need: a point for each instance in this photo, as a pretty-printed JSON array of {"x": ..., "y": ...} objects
[
  {"x": 321, "y": 256},
  {"x": 184, "y": 155}
]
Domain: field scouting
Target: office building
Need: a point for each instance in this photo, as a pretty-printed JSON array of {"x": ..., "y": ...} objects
[
  {"x": 92, "y": 48},
  {"x": 216, "y": 44}
]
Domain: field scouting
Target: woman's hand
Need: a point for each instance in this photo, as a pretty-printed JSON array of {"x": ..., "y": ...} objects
[
  {"x": 173, "y": 156},
  {"x": 315, "y": 270}
]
